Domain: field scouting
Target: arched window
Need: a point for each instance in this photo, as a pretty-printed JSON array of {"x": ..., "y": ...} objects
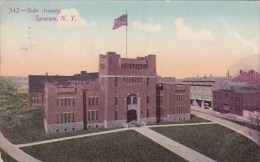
[{"x": 134, "y": 100}]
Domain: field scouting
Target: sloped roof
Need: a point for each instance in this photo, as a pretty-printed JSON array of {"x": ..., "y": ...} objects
[{"x": 36, "y": 82}]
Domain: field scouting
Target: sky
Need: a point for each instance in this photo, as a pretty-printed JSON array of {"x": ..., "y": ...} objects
[{"x": 188, "y": 38}]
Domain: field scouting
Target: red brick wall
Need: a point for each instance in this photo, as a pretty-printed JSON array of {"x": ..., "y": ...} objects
[
  {"x": 170, "y": 101},
  {"x": 235, "y": 102},
  {"x": 51, "y": 109},
  {"x": 93, "y": 92},
  {"x": 36, "y": 99},
  {"x": 131, "y": 79}
]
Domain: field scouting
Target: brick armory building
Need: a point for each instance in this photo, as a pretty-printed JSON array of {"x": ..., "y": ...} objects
[{"x": 124, "y": 90}]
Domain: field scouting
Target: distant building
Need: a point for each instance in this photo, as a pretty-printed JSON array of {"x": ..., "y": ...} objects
[
  {"x": 125, "y": 90},
  {"x": 166, "y": 80},
  {"x": 201, "y": 89},
  {"x": 236, "y": 99},
  {"x": 251, "y": 77}
]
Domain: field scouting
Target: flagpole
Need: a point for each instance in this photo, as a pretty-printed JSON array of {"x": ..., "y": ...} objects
[{"x": 126, "y": 34}]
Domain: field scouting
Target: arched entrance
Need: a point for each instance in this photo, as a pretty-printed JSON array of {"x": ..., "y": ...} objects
[
  {"x": 131, "y": 115},
  {"x": 133, "y": 110}
]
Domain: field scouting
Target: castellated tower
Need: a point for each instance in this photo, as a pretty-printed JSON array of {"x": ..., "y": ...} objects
[{"x": 129, "y": 88}]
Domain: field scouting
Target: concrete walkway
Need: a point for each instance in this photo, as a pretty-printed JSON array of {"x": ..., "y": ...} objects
[
  {"x": 177, "y": 125},
  {"x": 71, "y": 137},
  {"x": 173, "y": 146},
  {"x": 15, "y": 152},
  {"x": 247, "y": 132},
  {"x": 100, "y": 133}
]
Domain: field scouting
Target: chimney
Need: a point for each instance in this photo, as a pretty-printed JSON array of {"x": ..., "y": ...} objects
[
  {"x": 46, "y": 73},
  {"x": 83, "y": 72}
]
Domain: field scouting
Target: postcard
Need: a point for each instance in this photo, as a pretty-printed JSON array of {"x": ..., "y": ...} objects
[{"x": 129, "y": 81}]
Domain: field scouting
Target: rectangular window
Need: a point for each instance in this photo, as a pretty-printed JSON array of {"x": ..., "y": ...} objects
[
  {"x": 62, "y": 100},
  {"x": 89, "y": 116},
  {"x": 116, "y": 81},
  {"x": 89, "y": 101},
  {"x": 116, "y": 115},
  {"x": 96, "y": 100},
  {"x": 96, "y": 115},
  {"x": 65, "y": 101},
  {"x": 69, "y": 101},
  {"x": 61, "y": 118},
  {"x": 92, "y": 101},
  {"x": 73, "y": 102},
  {"x": 116, "y": 98},
  {"x": 58, "y": 116},
  {"x": 93, "y": 115},
  {"x": 68, "y": 117},
  {"x": 147, "y": 81},
  {"x": 57, "y": 102},
  {"x": 73, "y": 117},
  {"x": 65, "y": 117}
]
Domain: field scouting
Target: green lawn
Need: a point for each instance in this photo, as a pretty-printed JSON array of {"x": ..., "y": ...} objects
[
  {"x": 31, "y": 129},
  {"x": 121, "y": 146},
  {"x": 193, "y": 119},
  {"x": 6, "y": 158},
  {"x": 249, "y": 125},
  {"x": 214, "y": 141}
]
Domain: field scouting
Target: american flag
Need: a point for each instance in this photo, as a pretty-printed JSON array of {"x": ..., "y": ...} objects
[{"x": 121, "y": 21}]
